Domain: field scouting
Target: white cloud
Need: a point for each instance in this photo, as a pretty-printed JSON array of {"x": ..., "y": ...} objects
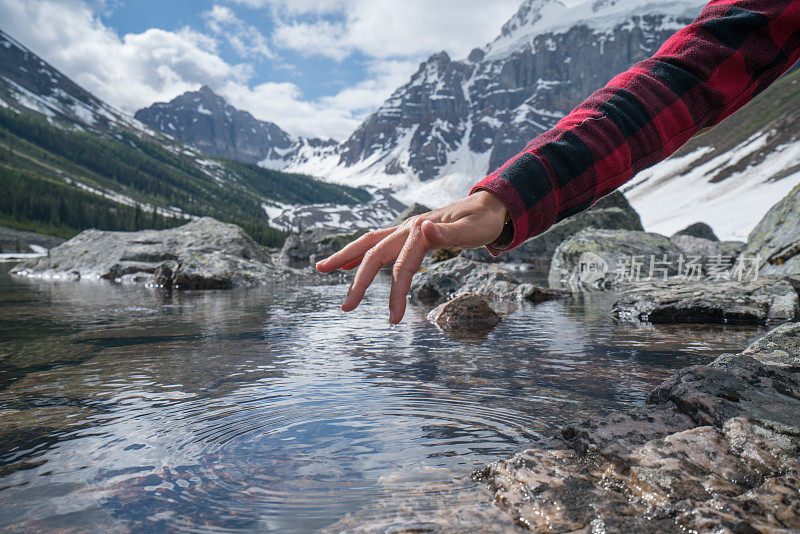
[
  {"x": 333, "y": 116},
  {"x": 129, "y": 72},
  {"x": 386, "y": 28},
  {"x": 246, "y": 40},
  {"x": 135, "y": 70}
]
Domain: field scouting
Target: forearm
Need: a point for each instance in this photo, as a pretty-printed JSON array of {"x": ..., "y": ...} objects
[{"x": 701, "y": 75}]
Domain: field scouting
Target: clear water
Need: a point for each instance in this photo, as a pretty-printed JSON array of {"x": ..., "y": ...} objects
[{"x": 133, "y": 410}]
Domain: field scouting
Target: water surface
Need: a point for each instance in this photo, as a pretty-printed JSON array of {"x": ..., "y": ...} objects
[{"x": 126, "y": 409}]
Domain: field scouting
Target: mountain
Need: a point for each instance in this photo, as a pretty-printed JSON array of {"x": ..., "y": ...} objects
[
  {"x": 456, "y": 120},
  {"x": 69, "y": 161},
  {"x": 206, "y": 121}
]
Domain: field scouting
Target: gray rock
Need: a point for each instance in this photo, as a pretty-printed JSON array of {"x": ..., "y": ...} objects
[
  {"x": 203, "y": 254},
  {"x": 305, "y": 249},
  {"x": 715, "y": 448},
  {"x": 457, "y": 276},
  {"x": 593, "y": 260},
  {"x": 466, "y": 312},
  {"x": 414, "y": 209},
  {"x": 686, "y": 301},
  {"x": 611, "y": 213},
  {"x": 776, "y": 239},
  {"x": 707, "y": 252},
  {"x": 698, "y": 229}
]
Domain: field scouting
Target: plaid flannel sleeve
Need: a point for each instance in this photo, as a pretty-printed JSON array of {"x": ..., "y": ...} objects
[{"x": 700, "y": 76}]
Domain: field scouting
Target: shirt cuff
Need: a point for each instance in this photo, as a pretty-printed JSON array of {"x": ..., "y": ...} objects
[{"x": 531, "y": 212}]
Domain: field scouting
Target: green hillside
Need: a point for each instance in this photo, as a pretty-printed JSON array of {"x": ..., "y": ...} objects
[{"x": 59, "y": 179}]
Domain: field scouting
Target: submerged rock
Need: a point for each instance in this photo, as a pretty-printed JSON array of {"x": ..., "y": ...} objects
[
  {"x": 203, "y": 254},
  {"x": 686, "y": 301},
  {"x": 465, "y": 312},
  {"x": 457, "y": 276},
  {"x": 776, "y": 239},
  {"x": 593, "y": 260},
  {"x": 698, "y": 229},
  {"x": 612, "y": 212},
  {"x": 714, "y": 448}
]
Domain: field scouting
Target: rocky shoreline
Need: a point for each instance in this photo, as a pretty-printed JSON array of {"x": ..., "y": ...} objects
[
  {"x": 715, "y": 448},
  {"x": 203, "y": 254}
]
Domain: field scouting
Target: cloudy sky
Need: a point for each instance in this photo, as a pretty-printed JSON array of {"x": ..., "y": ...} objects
[{"x": 315, "y": 67}]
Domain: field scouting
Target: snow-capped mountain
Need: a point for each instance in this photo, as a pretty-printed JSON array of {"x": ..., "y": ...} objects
[
  {"x": 28, "y": 81},
  {"x": 71, "y": 161},
  {"x": 205, "y": 120},
  {"x": 456, "y": 120}
]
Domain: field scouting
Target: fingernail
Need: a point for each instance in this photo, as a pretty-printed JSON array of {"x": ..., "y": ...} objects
[
  {"x": 392, "y": 317},
  {"x": 348, "y": 299}
]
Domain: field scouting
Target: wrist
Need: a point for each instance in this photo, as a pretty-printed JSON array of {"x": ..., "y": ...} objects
[{"x": 493, "y": 204}]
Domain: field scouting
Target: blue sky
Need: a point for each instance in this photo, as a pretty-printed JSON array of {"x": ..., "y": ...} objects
[
  {"x": 317, "y": 76},
  {"x": 315, "y": 67}
]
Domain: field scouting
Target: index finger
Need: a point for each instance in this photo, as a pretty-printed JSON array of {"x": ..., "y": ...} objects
[{"x": 354, "y": 251}]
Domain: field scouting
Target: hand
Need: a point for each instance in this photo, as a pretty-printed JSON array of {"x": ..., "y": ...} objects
[{"x": 470, "y": 222}]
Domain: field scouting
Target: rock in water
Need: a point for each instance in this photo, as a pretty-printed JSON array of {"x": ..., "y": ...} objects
[
  {"x": 203, "y": 254},
  {"x": 715, "y": 448},
  {"x": 698, "y": 229},
  {"x": 466, "y": 312},
  {"x": 457, "y": 276},
  {"x": 610, "y": 213},
  {"x": 685, "y": 301},
  {"x": 593, "y": 260},
  {"x": 776, "y": 239}
]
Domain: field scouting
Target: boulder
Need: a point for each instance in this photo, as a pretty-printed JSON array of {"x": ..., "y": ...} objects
[
  {"x": 732, "y": 302},
  {"x": 698, "y": 229},
  {"x": 612, "y": 212},
  {"x": 310, "y": 246},
  {"x": 708, "y": 253},
  {"x": 203, "y": 254},
  {"x": 714, "y": 448},
  {"x": 457, "y": 276},
  {"x": 468, "y": 312},
  {"x": 414, "y": 209},
  {"x": 776, "y": 239},
  {"x": 593, "y": 260}
]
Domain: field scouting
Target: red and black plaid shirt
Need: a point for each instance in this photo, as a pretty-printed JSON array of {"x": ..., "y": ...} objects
[{"x": 700, "y": 76}]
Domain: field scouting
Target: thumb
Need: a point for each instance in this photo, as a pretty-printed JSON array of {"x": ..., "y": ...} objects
[{"x": 441, "y": 235}]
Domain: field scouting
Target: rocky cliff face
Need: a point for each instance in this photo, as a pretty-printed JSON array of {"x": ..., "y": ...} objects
[
  {"x": 493, "y": 105},
  {"x": 205, "y": 120}
]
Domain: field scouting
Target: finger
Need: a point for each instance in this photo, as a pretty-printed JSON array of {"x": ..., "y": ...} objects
[
  {"x": 375, "y": 258},
  {"x": 407, "y": 264},
  {"x": 351, "y": 265},
  {"x": 353, "y": 251}
]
